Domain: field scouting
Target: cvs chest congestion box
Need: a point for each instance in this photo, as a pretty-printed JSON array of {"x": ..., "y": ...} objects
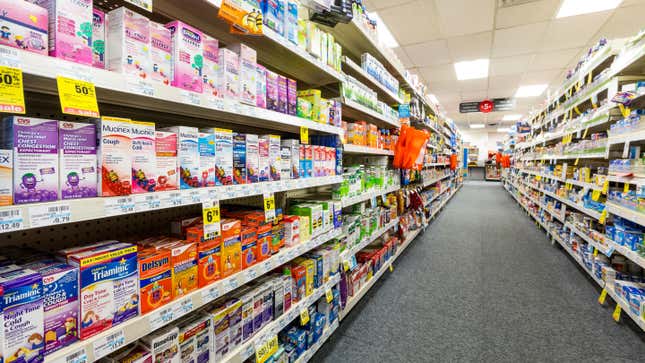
[
  {"x": 223, "y": 156},
  {"x": 77, "y": 160},
  {"x": 60, "y": 304},
  {"x": 263, "y": 160},
  {"x": 155, "y": 278},
  {"x": 261, "y": 86},
  {"x": 114, "y": 156},
  {"x": 160, "y": 53},
  {"x": 229, "y": 67},
  {"x": 108, "y": 286},
  {"x": 35, "y": 158},
  {"x": 129, "y": 42},
  {"x": 163, "y": 345},
  {"x": 24, "y": 26},
  {"x": 6, "y": 177},
  {"x": 144, "y": 157},
  {"x": 206, "y": 159},
  {"x": 210, "y": 73},
  {"x": 187, "y": 155},
  {"x": 239, "y": 158},
  {"x": 98, "y": 38},
  {"x": 70, "y": 29},
  {"x": 187, "y": 58},
  {"x": 231, "y": 247},
  {"x": 166, "y": 150},
  {"x": 248, "y": 71},
  {"x": 22, "y": 317},
  {"x": 275, "y": 164}
]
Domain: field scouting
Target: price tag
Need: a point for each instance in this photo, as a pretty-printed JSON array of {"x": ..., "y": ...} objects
[
  {"x": 79, "y": 356},
  {"x": 626, "y": 188},
  {"x": 616, "y": 314},
  {"x": 141, "y": 87},
  {"x": 191, "y": 97},
  {"x": 210, "y": 294},
  {"x": 192, "y": 197},
  {"x": 171, "y": 199},
  {"x": 232, "y": 283},
  {"x": 595, "y": 195},
  {"x": 576, "y": 162},
  {"x": 11, "y": 220},
  {"x": 108, "y": 344},
  {"x": 146, "y": 202},
  {"x": 77, "y": 97},
  {"x": 211, "y": 217},
  {"x": 605, "y": 187},
  {"x": 119, "y": 205},
  {"x": 160, "y": 317},
  {"x": 182, "y": 307},
  {"x": 269, "y": 206},
  {"x": 10, "y": 57},
  {"x": 329, "y": 296},
  {"x": 265, "y": 349},
  {"x": 391, "y": 268},
  {"x": 603, "y": 217},
  {"x": 595, "y": 252},
  {"x": 49, "y": 214},
  {"x": 304, "y": 135},
  {"x": 304, "y": 316},
  {"x": 602, "y": 297},
  {"x": 12, "y": 95}
]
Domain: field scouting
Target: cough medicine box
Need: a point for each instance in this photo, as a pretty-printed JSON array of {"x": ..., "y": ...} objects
[
  {"x": 206, "y": 159},
  {"x": 187, "y": 155},
  {"x": 294, "y": 159},
  {"x": 210, "y": 73},
  {"x": 155, "y": 278},
  {"x": 184, "y": 267},
  {"x": 239, "y": 158},
  {"x": 128, "y": 43},
  {"x": 275, "y": 165},
  {"x": 22, "y": 316},
  {"x": 166, "y": 152},
  {"x": 209, "y": 254},
  {"x": 163, "y": 345},
  {"x": 252, "y": 159},
  {"x": 223, "y": 156},
  {"x": 70, "y": 29},
  {"x": 263, "y": 160},
  {"x": 114, "y": 156},
  {"x": 231, "y": 247},
  {"x": 272, "y": 90},
  {"x": 160, "y": 53},
  {"x": 24, "y": 25},
  {"x": 98, "y": 38},
  {"x": 108, "y": 286},
  {"x": 229, "y": 67},
  {"x": 144, "y": 157},
  {"x": 261, "y": 87},
  {"x": 196, "y": 339},
  {"x": 187, "y": 56},
  {"x": 6, "y": 177},
  {"x": 35, "y": 158},
  {"x": 77, "y": 160},
  {"x": 248, "y": 71}
]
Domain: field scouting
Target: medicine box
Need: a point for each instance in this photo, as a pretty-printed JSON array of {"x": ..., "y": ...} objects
[
  {"x": 160, "y": 53},
  {"x": 187, "y": 155},
  {"x": 247, "y": 72},
  {"x": 70, "y": 29},
  {"x": 144, "y": 157},
  {"x": 128, "y": 39},
  {"x": 187, "y": 56},
  {"x": 166, "y": 152},
  {"x": 77, "y": 160},
  {"x": 99, "y": 33},
  {"x": 114, "y": 156},
  {"x": 24, "y": 26}
]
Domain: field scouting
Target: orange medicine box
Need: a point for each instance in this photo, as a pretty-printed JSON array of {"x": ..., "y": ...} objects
[
  {"x": 155, "y": 278},
  {"x": 209, "y": 268},
  {"x": 231, "y": 247},
  {"x": 249, "y": 239},
  {"x": 184, "y": 265},
  {"x": 265, "y": 235}
]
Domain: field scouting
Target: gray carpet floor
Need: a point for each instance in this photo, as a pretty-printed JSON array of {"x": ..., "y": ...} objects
[{"x": 483, "y": 284}]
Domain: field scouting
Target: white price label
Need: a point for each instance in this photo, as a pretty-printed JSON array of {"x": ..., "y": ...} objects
[
  {"x": 161, "y": 317},
  {"x": 232, "y": 283},
  {"x": 191, "y": 97},
  {"x": 10, "y": 57},
  {"x": 141, "y": 87},
  {"x": 282, "y": 258},
  {"x": 11, "y": 220},
  {"x": 210, "y": 294},
  {"x": 119, "y": 205},
  {"x": 182, "y": 307},
  {"x": 251, "y": 274},
  {"x": 216, "y": 103},
  {"x": 108, "y": 344},
  {"x": 169, "y": 200},
  {"x": 146, "y": 202},
  {"x": 50, "y": 214},
  {"x": 79, "y": 356},
  {"x": 267, "y": 266}
]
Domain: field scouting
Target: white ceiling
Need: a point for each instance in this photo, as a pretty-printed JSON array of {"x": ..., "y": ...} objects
[{"x": 525, "y": 44}]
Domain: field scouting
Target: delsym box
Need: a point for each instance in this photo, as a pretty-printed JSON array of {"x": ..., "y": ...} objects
[
  {"x": 248, "y": 61},
  {"x": 144, "y": 157},
  {"x": 77, "y": 160},
  {"x": 6, "y": 177},
  {"x": 98, "y": 38},
  {"x": 109, "y": 286},
  {"x": 187, "y": 58},
  {"x": 70, "y": 29},
  {"x": 24, "y": 26},
  {"x": 239, "y": 158},
  {"x": 166, "y": 148},
  {"x": 211, "y": 73},
  {"x": 114, "y": 156},
  {"x": 229, "y": 67},
  {"x": 206, "y": 159},
  {"x": 129, "y": 42},
  {"x": 21, "y": 321},
  {"x": 60, "y": 304},
  {"x": 261, "y": 87},
  {"x": 35, "y": 158},
  {"x": 187, "y": 155},
  {"x": 223, "y": 156},
  {"x": 155, "y": 278},
  {"x": 160, "y": 53}
]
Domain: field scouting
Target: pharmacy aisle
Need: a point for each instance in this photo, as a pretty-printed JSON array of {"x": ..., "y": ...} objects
[{"x": 493, "y": 289}]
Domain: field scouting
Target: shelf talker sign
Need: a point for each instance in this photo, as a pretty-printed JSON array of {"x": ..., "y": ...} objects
[
  {"x": 269, "y": 206},
  {"x": 12, "y": 95},
  {"x": 211, "y": 217},
  {"x": 77, "y": 97}
]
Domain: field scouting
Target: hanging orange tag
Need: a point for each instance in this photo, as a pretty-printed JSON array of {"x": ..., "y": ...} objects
[{"x": 244, "y": 19}]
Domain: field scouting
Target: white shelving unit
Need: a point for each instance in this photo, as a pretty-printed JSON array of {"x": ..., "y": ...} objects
[{"x": 358, "y": 149}]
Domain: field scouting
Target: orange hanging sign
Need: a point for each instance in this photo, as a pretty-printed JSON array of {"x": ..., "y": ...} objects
[{"x": 243, "y": 17}]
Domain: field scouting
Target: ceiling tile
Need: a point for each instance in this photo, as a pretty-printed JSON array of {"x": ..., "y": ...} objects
[
  {"x": 518, "y": 40},
  {"x": 473, "y": 85},
  {"x": 566, "y": 32},
  {"x": 627, "y": 3},
  {"x": 429, "y": 53},
  {"x": 533, "y": 12},
  {"x": 473, "y": 96},
  {"x": 501, "y": 92},
  {"x": 504, "y": 82},
  {"x": 470, "y": 47},
  {"x": 403, "y": 57},
  {"x": 444, "y": 72},
  {"x": 510, "y": 65},
  {"x": 460, "y": 17},
  {"x": 373, "y": 5},
  {"x": 412, "y": 22},
  {"x": 539, "y": 77},
  {"x": 443, "y": 86},
  {"x": 625, "y": 22},
  {"x": 551, "y": 60}
]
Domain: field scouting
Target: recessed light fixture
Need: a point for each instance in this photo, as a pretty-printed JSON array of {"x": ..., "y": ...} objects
[
  {"x": 477, "y": 126},
  {"x": 513, "y": 117},
  {"x": 384, "y": 34},
  {"x": 533, "y": 90},
  {"x": 503, "y": 129},
  {"x": 434, "y": 99},
  {"x": 473, "y": 69},
  {"x": 579, "y": 7}
]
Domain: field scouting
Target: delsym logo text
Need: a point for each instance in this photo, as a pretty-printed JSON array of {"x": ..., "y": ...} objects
[{"x": 154, "y": 264}]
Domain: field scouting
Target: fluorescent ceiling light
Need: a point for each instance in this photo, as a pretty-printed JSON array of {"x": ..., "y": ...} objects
[
  {"x": 434, "y": 99},
  {"x": 474, "y": 69},
  {"x": 533, "y": 90},
  {"x": 477, "y": 126},
  {"x": 384, "y": 35},
  {"x": 503, "y": 129},
  {"x": 579, "y": 7},
  {"x": 513, "y": 117}
]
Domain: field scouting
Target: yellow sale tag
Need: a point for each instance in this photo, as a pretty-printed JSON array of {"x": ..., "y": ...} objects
[
  {"x": 605, "y": 187},
  {"x": 269, "y": 206},
  {"x": 577, "y": 110},
  {"x": 329, "y": 296},
  {"x": 12, "y": 95},
  {"x": 211, "y": 213},
  {"x": 304, "y": 135},
  {"x": 346, "y": 265},
  {"x": 603, "y": 216},
  {"x": 576, "y": 162},
  {"x": 595, "y": 195},
  {"x": 589, "y": 77},
  {"x": 391, "y": 268},
  {"x": 593, "y": 104},
  {"x": 265, "y": 350},
  {"x": 595, "y": 252},
  {"x": 304, "y": 316},
  {"x": 602, "y": 297},
  {"x": 585, "y": 133},
  {"x": 211, "y": 218},
  {"x": 625, "y": 111},
  {"x": 626, "y": 188},
  {"x": 77, "y": 97},
  {"x": 538, "y": 177},
  {"x": 616, "y": 314}
]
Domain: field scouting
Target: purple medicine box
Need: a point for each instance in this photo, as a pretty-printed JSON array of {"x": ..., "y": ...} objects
[{"x": 77, "y": 160}]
